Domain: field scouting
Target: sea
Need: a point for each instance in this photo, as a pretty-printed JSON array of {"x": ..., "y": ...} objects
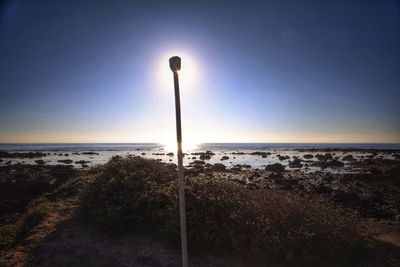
[{"x": 237, "y": 153}]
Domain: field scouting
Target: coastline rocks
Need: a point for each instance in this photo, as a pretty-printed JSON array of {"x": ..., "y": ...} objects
[
  {"x": 218, "y": 167},
  {"x": 208, "y": 165},
  {"x": 225, "y": 158},
  {"x": 207, "y": 155},
  {"x": 276, "y": 167},
  {"x": 204, "y": 155},
  {"x": 334, "y": 163},
  {"x": 90, "y": 153},
  {"x": 82, "y": 162},
  {"x": 324, "y": 157},
  {"x": 4, "y": 154},
  {"x": 170, "y": 154},
  {"x": 295, "y": 163},
  {"x": 348, "y": 158},
  {"x": 281, "y": 158},
  {"x": 40, "y": 162},
  {"x": 308, "y": 156},
  {"x": 238, "y": 153},
  {"x": 243, "y": 166},
  {"x": 198, "y": 162},
  {"x": 65, "y": 161},
  {"x": 262, "y": 154}
]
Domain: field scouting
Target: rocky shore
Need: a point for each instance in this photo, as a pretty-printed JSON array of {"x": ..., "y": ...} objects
[{"x": 371, "y": 187}]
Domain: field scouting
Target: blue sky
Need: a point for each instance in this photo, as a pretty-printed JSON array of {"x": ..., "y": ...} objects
[{"x": 256, "y": 71}]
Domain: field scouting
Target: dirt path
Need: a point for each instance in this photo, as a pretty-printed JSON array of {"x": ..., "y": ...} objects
[{"x": 19, "y": 254}]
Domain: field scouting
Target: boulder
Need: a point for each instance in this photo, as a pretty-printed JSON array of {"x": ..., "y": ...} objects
[
  {"x": 276, "y": 167},
  {"x": 225, "y": 158},
  {"x": 324, "y": 157},
  {"x": 283, "y": 157},
  {"x": 218, "y": 167},
  {"x": 198, "y": 162},
  {"x": 348, "y": 158},
  {"x": 295, "y": 163},
  {"x": 40, "y": 162},
  {"x": 90, "y": 153},
  {"x": 65, "y": 161},
  {"x": 334, "y": 163}
]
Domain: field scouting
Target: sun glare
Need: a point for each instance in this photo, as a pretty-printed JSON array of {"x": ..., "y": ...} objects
[{"x": 186, "y": 146}]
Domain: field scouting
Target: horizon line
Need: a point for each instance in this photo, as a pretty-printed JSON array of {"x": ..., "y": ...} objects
[{"x": 255, "y": 142}]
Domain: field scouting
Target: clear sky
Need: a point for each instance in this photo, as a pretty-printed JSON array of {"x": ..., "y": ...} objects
[{"x": 252, "y": 71}]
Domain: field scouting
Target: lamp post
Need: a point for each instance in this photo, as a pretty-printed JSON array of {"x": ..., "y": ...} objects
[{"x": 175, "y": 65}]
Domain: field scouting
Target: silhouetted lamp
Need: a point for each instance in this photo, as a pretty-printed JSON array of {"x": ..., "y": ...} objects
[{"x": 175, "y": 65}]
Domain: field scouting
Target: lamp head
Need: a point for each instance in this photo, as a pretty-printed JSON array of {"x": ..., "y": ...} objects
[{"x": 175, "y": 63}]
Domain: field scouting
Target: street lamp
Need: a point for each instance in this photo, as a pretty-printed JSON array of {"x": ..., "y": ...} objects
[{"x": 175, "y": 65}]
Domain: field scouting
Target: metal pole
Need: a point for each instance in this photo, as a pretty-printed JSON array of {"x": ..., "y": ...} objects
[{"x": 182, "y": 208}]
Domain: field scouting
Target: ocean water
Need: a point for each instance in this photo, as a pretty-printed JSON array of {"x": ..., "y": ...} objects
[
  {"x": 76, "y": 147},
  {"x": 104, "y": 151}
]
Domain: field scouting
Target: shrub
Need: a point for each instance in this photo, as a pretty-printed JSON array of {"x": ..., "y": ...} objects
[{"x": 221, "y": 215}]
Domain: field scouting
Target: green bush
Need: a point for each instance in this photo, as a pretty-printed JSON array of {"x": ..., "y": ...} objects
[{"x": 222, "y": 216}]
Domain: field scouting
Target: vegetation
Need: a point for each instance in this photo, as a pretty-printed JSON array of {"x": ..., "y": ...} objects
[{"x": 222, "y": 216}]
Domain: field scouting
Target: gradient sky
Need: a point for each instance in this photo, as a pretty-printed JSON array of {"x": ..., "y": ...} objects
[{"x": 256, "y": 71}]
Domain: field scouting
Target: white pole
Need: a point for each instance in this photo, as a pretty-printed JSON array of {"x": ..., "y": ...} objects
[{"x": 175, "y": 65}]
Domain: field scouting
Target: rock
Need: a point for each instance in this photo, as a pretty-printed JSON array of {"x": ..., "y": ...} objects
[
  {"x": 21, "y": 155},
  {"x": 207, "y": 155},
  {"x": 198, "y": 162},
  {"x": 143, "y": 154},
  {"x": 276, "y": 167},
  {"x": 262, "y": 154},
  {"x": 281, "y": 158},
  {"x": 275, "y": 176},
  {"x": 333, "y": 163},
  {"x": 295, "y": 163},
  {"x": 40, "y": 162},
  {"x": 324, "y": 157},
  {"x": 218, "y": 167},
  {"x": 90, "y": 153},
  {"x": 82, "y": 162},
  {"x": 348, "y": 158},
  {"x": 170, "y": 154},
  {"x": 65, "y": 161},
  {"x": 308, "y": 156},
  {"x": 225, "y": 158}
]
